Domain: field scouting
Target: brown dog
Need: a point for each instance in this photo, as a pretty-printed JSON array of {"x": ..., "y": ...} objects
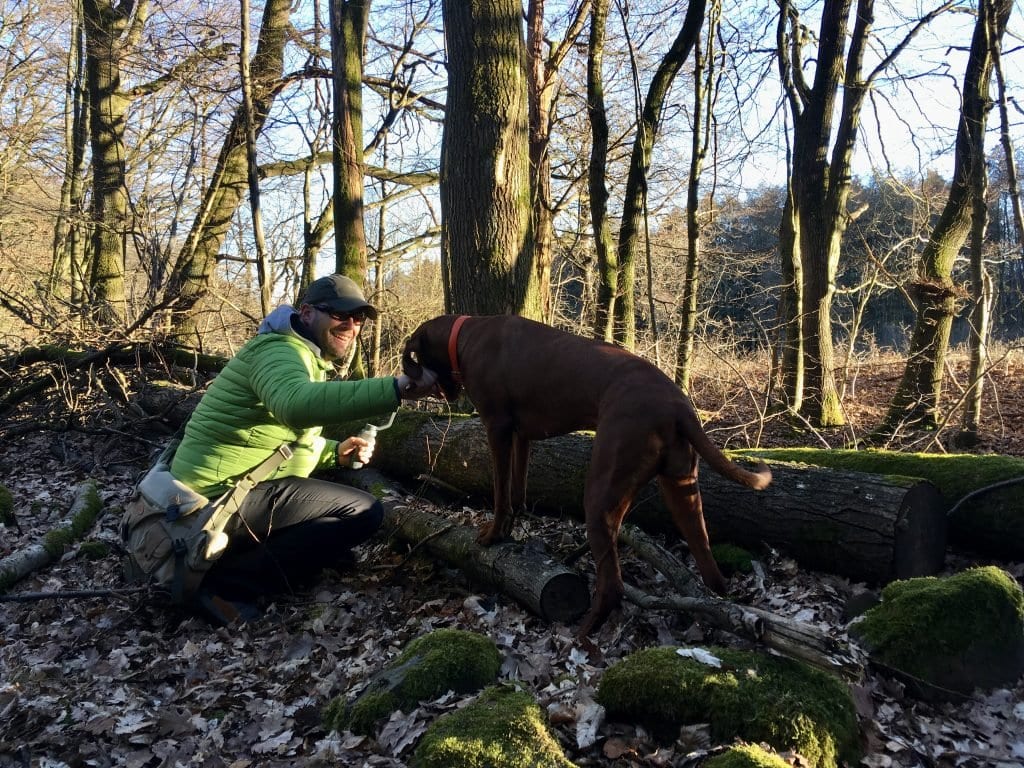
[{"x": 530, "y": 381}]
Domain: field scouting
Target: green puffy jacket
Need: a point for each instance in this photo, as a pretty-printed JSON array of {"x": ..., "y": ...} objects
[{"x": 273, "y": 391}]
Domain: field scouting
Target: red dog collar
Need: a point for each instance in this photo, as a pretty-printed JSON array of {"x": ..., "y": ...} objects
[{"x": 453, "y": 354}]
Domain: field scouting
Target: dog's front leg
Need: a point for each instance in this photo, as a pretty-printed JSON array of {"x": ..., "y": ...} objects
[{"x": 499, "y": 438}]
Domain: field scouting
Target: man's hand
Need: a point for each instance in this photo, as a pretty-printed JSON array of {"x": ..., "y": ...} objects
[
  {"x": 413, "y": 389},
  {"x": 355, "y": 448}
]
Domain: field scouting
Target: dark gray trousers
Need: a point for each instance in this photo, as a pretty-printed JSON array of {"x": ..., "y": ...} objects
[{"x": 287, "y": 531}]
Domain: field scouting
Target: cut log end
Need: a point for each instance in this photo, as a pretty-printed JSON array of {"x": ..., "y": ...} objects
[
  {"x": 564, "y": 598},
  {"x": 921, "y": 525}
]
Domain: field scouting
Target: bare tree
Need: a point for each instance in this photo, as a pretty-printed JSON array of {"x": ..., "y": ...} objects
[
  {"x": 348, "y": 36},
  {"x": 197, "y": 258},
  {"x": 635, "y": 195},
  {"x": 67, "y": 272},
  {"x": 916, "y": 400},
  {"x": 705, "y": 89},
  {"x": 607, "y": 264},
  {"x": 542, "y": 87},
  {"x": 265, "y": 277},
  {"x": 820, "y": 183}
]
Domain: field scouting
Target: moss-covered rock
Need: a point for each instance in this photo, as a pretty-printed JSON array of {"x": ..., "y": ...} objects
[
  {"x": 959, "y": 632},
  {"x": 444, "y": 660},
  {"x": 746, "y": 756},
  {"x": 753, "y": 696},
  {"x": 503, "y": 728}
]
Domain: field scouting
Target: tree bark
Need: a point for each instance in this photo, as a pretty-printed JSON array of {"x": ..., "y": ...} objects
[
  {"x": 487, "y": 241},
  {"x": 869, "y": 527},
  {"x": 348, "y": 34},
  {"x": 110, "y": 33},
  {"x": 704, "y": 93},
  {"x": 66, "y": 274},
  {"x": 981, "y": 494}
]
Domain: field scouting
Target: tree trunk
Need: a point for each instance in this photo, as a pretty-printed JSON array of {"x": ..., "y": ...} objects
[
  {"x": 1012, "y": 184},
  {"x": 81, "y": 516},
  {"x": 607, "y": 262},
  {"x": 635, "y": 195},
  {"x": 348, "y": 35},
  {"x": 66, "y": 274},
  {"x": 110, "y": 33},
  {"x": 542, "y": 86},
  {"x": 868, "y": 527},
  {"x": 193, "y": 270},
  {"x": 791, "y": 308},
  {"x": 916, "y": 401},
  {"x": 263, "y": 270},
  {"x": 487, "y": 243},
  {"x": 704, "y": 86}
]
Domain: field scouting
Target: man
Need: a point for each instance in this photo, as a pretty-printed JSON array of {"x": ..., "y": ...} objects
[{"x": 275, "y": 391}]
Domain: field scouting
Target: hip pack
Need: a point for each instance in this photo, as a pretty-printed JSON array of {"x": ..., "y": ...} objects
[{"x": 172, "y": 535}]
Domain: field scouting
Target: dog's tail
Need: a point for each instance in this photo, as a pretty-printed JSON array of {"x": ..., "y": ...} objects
[{"x": 757, "y": 478}]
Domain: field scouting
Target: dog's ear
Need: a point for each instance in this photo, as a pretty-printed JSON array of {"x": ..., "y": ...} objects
[{"x": 411, "y": 365}]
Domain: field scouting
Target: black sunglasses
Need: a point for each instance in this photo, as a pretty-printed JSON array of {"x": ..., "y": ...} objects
[{"x": 357, "y": 316}]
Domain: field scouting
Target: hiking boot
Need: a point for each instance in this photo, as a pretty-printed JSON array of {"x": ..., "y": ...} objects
[{"x": 222, "y": 612}]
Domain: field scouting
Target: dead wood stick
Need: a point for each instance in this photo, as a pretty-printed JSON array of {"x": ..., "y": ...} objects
[
  {"x": 791, "y": 638},
  {"x": 670, "y": 566},
  {"x": 67, "y": 594}
]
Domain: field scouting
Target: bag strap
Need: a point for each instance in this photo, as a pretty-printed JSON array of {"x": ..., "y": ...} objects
[
  {"x": 187, "y": 582},
  {"x": 223, "y": 510}
]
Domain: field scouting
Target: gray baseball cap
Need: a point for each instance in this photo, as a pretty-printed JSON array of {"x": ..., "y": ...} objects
[{"x": 339, "y": 293}]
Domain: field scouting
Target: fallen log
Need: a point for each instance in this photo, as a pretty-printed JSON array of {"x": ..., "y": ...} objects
[
  {"x": 535, "y": 580},
  {"x": 81, "y": 516},
  {"x": 983, "y": 493},
  {"x": 871, "y": 528}
]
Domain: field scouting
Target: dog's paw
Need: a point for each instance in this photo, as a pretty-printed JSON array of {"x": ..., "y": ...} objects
[{"x": 488, "y": 535}]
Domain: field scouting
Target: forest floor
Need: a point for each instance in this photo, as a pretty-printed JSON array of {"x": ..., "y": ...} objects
[{"x": 119, "y": 681}]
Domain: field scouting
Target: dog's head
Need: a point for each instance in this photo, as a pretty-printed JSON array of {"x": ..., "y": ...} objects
[{"x": 428, "y": 348}]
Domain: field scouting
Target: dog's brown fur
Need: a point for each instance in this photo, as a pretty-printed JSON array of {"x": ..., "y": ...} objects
[{"x": 530, "y": 381}]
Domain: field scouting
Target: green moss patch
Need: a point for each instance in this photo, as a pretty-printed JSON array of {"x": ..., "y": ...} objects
[
  {"x": 754, "y": 697},
  {"x": 959, "y": 632},
  {"x": 991, "y": 523},
  {"x": 431, "y": 665},
  {"x": 732, "y": 559},
  {"x": 503, "y": 728},
  {"x": 746, "y": 756},
  {"x": 6, "y": 507},
  {"x": 955, "y": 475}
]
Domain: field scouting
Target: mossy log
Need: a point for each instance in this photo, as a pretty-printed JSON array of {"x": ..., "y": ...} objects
[
  {"x": 81, "y": 516},
  {"x": 985, "y": 493},
  {"x": 532, "y": 578},
  {"x": 871, "y": 528}
]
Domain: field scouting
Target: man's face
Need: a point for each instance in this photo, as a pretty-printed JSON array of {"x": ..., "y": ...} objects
[{"x": 334, "y": 331}]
